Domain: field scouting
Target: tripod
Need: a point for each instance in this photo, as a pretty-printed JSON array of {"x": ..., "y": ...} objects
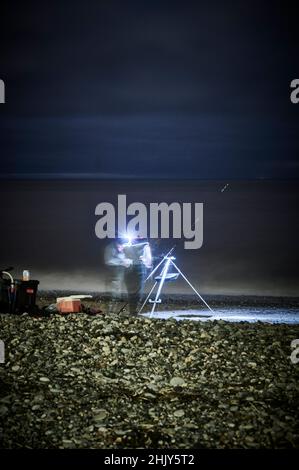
[{"x": 167, "y": 261}]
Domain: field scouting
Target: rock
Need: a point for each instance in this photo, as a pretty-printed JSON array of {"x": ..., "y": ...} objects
[
  {"x": 3, "y": 410},
  {"x": 177, "y": 381},
  {"x": 204, "y": 335},
  {"x": 152, "y": 386},
  {"x": 179, "y": 413},
  {"x": 35, "y": 407},
  {"x": 100, "y": 416}
]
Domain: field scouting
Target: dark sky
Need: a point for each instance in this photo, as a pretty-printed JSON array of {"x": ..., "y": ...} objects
[{"x": 149, "y": 89}]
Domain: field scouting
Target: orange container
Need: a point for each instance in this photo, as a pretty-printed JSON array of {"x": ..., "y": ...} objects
[{"x": 69, "y": 306}]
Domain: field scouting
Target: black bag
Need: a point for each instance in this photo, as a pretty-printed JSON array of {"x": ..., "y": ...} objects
[
  {"x": 20, "y": 299},
  {"x": 25, "y": 297}
]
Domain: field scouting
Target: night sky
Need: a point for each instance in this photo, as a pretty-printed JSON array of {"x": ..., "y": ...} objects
[
  {"x": 108, "y": 94},
  {"x": 149, "y": 89}
]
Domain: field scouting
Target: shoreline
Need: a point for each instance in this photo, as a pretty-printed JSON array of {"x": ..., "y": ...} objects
[{"x": 179, "y": 299}]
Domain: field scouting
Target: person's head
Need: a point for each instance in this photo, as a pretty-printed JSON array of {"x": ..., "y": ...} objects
[{"x": 119, "y": 244}]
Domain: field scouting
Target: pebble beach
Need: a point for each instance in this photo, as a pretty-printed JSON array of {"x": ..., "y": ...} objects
[{"x": 114, "y": 381}]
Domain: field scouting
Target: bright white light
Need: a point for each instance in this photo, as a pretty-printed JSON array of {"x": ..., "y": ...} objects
[{"x": 128, "y": 237}]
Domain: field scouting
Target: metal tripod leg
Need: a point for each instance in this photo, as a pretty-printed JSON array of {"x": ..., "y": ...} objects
[
  {"x": 158, "y": 265},
  {"x": 148, "y": 296},
  {"x": 193, "y": 288},
  {"x": 163, "y": 276}
]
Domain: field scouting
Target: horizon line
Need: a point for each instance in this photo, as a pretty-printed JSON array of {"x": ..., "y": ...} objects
[{"x": 119, "y": 176}]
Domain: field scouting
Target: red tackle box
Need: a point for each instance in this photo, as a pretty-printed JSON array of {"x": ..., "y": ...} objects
[{"x": 69, "y": 306}]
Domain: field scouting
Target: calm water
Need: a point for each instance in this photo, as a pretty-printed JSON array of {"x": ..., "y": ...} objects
[{"x": 250, "y": 233}]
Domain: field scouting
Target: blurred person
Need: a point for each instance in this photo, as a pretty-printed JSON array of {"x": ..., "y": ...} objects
[
  {"x": 140, "y": 255},
  {"x": 117, "y": 263}
]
